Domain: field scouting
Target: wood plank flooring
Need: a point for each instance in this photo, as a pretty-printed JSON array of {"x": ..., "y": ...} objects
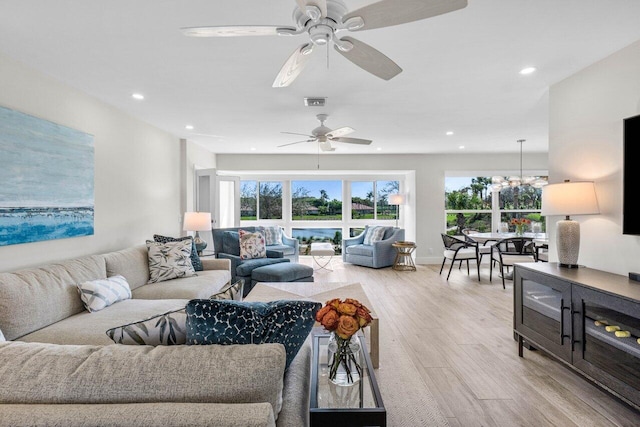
[{"x": 448, "y": 356}]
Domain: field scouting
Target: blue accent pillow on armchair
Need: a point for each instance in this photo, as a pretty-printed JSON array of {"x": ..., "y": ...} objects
[{"x": 286, "y": 322}]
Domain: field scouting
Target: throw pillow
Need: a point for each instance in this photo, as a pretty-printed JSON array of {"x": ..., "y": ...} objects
[
  {"x": 195, "y": 259},
  {"x": 373, "y": 234},
  {"x": 232, "y": 291},
  {"x": 272, "y": 235},
  {"x": 101, "y": 293},
  {"x": 164, "y": 329},
  {"x": 252, "y": 245},
  {"x": 169, "y": 260},
  {"x": 234, "y": 322},
  {"x": 231, "y": 243}
]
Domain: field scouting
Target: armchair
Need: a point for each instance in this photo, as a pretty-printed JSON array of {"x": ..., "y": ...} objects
[
  {"x": 226, "y": 246},
  {"x": 376, "y": 254}
]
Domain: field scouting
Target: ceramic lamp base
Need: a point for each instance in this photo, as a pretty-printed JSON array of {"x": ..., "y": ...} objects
[
  {"x": 200, "y": 244},
  {"x": 568, "y": 242}
]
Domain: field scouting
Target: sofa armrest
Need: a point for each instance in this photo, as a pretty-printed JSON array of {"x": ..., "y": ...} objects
[
  {"x": 290, "y": 241},
  {"x": 235, "y": 262},
  {"x": 357, "y": 240},
  {"x": 215, "y": 264}
]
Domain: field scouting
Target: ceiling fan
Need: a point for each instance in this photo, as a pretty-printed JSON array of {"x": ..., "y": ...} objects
[
  {"x": 324, "y": 136},
  {"x": 322, "y": 20}
]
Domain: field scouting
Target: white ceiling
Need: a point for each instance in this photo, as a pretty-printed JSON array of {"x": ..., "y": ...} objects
[{"x": 460, "y": 69}]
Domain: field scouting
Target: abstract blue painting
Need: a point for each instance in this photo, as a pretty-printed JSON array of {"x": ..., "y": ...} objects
[{"x": 46, "y": 180}]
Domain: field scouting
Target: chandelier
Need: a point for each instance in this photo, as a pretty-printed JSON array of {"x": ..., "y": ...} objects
[{"x": 499, "y": 182}]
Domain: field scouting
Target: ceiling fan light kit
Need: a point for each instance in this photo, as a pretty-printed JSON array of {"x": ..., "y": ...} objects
[{"x": 323, "y": 20}]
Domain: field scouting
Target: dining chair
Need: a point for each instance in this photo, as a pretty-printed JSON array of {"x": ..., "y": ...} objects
[
  {"x": 456, "y": 249},
  {"x": 484, "y": 248},
  {"x": 509, "y": 251}
]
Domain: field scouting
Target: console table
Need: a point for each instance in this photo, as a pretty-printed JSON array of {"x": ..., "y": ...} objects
[
  {"x": 586, "y": 318},
  {"x": 343, "y": 406}
]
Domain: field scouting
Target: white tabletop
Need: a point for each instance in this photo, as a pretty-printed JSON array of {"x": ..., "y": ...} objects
[{"x": 484, "y": 237}]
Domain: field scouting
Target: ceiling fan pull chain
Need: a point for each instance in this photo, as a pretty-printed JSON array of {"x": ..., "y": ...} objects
[{"x": 327, "y": 56}]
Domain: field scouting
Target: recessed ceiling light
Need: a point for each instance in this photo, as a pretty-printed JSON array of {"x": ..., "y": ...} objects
[
  {"x": 527, "y": 70},
  {"x": 461, "y": 147},
  {"x": 379, "y": 148},
  {"x": 188, "y": 127},
  {"x": 253, "y": 148},
  {"x": 137, "y": 96},
  {"x": 450, "y": 133}
]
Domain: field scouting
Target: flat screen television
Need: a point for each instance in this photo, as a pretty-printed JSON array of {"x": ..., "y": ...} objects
[{"x": 631, "y": 177}]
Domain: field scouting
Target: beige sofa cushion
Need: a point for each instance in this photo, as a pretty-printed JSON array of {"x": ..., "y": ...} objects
[
  {"x": 203, "y": 285},
  {"x": 139, "y": 415},
  {"x": 91, "y": 328},
  {"x": 132, "y": 263},
  {"x": 125, "y": 374},
  {"x": 31, "y": 299}
]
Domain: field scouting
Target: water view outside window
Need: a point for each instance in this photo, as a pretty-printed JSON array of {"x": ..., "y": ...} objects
[
  {"x": 308, "y": 235},
  {"x": 316, "y": 200},
  {"x": 248, "y": 200},
  {"x": 370, "y": 199},
  {"x": 468, "y": 204}
]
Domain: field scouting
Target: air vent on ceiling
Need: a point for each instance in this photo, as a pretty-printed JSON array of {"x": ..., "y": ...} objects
[{"x": 315, "y": 102}]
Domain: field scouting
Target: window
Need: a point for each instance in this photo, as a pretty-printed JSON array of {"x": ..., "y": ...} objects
[
  {"x": 248, "y": 200},
  {"x": 263, "y": 204},
  {"x": 308, "y": 235},
  {"x": 470, "y": 203},
  {"x": 370, "y": 199},
  {"x": 316, "y": 200}
]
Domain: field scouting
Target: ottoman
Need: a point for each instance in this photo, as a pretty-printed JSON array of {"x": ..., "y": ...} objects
[{"x": 284, "y": 272}]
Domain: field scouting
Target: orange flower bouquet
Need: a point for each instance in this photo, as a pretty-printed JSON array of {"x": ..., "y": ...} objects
[
  {"x": 521, "y": 224},
  {"x": 343, "y": 319}
]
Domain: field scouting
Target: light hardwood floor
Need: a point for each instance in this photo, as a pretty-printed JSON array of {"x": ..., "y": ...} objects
[{"x": 457, "y": 362}]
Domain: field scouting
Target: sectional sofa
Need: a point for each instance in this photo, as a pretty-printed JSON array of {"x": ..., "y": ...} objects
[{"x": 58, "y": 366}]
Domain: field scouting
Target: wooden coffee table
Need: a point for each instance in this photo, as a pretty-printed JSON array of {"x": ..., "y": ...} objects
[{"x": 320, "y": 292}]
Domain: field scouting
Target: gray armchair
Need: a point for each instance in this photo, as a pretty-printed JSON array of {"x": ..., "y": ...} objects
[{"x": 378, "y": 254}]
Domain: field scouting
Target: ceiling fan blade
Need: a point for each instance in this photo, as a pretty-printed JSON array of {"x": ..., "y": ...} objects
[
  {"x": 297, "y": 142},
  {"x": 307, "y": 6},
  {"x": 302, "y": 134},
  {"x": 369, "y": 59},
  {"x": 387, "y": 13},
  {"x": 237, "y": 30},
  {"x": 353, "y": 140},
  {"x": 293, "y": 66},
  {"x": 340, "y": 131}
]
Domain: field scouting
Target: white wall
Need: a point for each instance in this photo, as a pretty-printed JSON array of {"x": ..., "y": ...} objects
[
  {"x": 429, "y": 180},
  {"x": 585, "y": 143},
  {"x": 137, "y": 174}
]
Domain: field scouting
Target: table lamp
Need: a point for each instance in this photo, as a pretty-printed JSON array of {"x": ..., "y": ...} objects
[
  {"x": 197, "y": 221},
  {"x": 569, "y": 198},
  {"x": 397, "y": 200}
]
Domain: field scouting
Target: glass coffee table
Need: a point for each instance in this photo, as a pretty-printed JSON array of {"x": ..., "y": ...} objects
[{"x": 338, "y": 406}]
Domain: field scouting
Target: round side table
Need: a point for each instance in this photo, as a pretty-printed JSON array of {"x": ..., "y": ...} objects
[{"x": 404, "y": 260}]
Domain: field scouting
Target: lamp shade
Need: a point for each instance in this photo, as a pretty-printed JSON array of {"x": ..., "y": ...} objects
[
  {"x": 397, "y": 199},
  {"x": 569, "y": 198},
  {"x": 197, "y": 221}
]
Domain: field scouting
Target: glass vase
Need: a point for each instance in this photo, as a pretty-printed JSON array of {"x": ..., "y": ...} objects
[{"x": 344, "y": 360}]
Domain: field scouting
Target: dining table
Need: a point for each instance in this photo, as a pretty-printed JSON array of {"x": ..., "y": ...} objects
[{"x": 482, "y": 238}]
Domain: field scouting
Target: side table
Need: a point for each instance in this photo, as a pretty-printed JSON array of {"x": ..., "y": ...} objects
[
  {"x": 404, "y": 259},
  {"x": 358, "y": 405}
]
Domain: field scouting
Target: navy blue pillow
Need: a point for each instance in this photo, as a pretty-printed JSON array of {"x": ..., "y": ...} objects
[
  {"x": 225, "y": 322},
  {"x": 195, "y": 259},
  {"x": 231, "y": 243}
]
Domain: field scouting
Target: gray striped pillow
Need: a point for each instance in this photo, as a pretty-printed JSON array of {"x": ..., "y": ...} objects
[
  {"x": 101, "y": 293},
  {"x": 374, "y": 234}
]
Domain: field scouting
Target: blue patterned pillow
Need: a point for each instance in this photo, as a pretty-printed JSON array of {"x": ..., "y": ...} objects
[
  {"x": 272, "y": 235},
  {"x": 235, "y": 322},
  {"x": 373, "y": 234},
  {"x": 195, "y": 259}
]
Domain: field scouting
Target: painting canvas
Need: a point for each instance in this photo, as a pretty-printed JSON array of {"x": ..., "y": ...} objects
[{"x": 46, "y": 180}]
